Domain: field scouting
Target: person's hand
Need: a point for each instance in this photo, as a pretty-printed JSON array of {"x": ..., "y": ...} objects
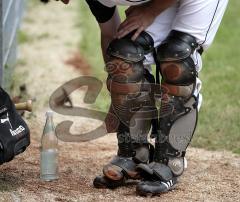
[{"x": 137, "y": 18}]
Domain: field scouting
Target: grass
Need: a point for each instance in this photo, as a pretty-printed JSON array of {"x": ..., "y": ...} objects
[
  {"x": 90, "y": 48},
  {"x": 23, "y": 37},
  {"x": 219, "y": 124},
  {"x": 219, "y": 120}
]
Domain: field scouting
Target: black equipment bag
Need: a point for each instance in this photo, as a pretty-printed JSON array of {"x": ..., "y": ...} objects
[{"x": 14, "y": 132}]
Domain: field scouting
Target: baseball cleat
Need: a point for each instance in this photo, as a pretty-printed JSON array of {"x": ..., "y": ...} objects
[{"x": 153, "y": 188}]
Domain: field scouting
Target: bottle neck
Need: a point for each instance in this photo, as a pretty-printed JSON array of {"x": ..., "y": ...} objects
[
  {"x": 49, "y": 139},
  {"x": 49, "y": 125}
]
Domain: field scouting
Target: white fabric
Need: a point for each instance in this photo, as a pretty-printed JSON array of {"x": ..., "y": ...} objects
[{"x": 200, "y": 18}]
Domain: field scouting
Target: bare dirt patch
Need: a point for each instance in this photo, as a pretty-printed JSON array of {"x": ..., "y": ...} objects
[
  {"x": 79, "y": 63},
  {"x": 211, "y": 176}
]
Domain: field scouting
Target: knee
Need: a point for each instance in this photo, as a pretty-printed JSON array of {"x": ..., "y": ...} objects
[
  {"x": 125, "y": 62},
  {"x": 126, "y": 58},
  {"x": 176, "y": 64}
]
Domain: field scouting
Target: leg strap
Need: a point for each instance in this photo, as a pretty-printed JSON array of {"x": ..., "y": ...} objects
[{"x": 155, "y": 171}]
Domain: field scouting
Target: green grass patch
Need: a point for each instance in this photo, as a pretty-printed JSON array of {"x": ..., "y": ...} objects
[
  {"x": 23, "y": 37},
  {"x": 219, "y": 124},
  {"x": 90, "y": 48},
  {"x": 219, "y": 120}
]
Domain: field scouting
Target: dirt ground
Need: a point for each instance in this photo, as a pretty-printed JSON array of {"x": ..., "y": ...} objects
[{"x": 211, "y": 176}]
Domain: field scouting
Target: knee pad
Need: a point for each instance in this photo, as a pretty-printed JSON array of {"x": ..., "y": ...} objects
[
  {"x": 128, "y": 82},
  {"x": 176, "y": 64},
  {"x": 178, "y": 111}
]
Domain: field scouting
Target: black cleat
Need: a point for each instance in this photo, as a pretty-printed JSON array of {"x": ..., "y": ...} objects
[
  {"x": 153, "y": 188},
  {"x": 102, "y": 182}
]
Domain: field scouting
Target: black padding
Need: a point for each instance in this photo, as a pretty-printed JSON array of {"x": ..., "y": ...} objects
[
  {"x": 158, "y": 171},
  {"x": 176, "y": 128},
  {"x": 127, "y": 164},
  {"x": 101, "y": 12},
  {"x": 132, "y": 51},
  {"x": 144, "y": 40},
  {"x": 126, "y": 49},
  {"x": 188, "y": 72},
  {"x": 177, "y": 46}
]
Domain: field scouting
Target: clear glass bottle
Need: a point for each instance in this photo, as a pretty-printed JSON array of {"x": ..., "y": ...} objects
[{"x": 49, "y": 151}]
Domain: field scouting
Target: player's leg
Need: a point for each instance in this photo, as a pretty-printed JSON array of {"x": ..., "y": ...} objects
[
  {"x": 163, "y": 26},
  {"x": 178, "y": 113},
  {"x": 180, "y": 62},
  {"x": 160, "y": 28},
  {"x": 132, "y": 102}
]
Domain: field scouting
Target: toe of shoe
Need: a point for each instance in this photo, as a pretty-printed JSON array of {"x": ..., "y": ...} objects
[
  {"x": 104, "y": 182},
  {"x": 113, "y": 172},
  {"x": 148, "y": 188}
]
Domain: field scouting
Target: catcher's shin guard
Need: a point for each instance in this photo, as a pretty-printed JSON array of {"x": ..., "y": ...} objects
[
  {"x": 178, "y": 113},
  {"x": 132, "y": 102}
]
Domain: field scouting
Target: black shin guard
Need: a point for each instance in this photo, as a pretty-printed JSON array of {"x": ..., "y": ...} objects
[
  {"x": 178, "y": 114},
  {"x": 178, "y": 111},
  {"x": 132, "y": 102}
]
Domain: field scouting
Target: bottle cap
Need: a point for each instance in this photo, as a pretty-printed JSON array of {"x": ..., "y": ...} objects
[{"x": 49, "y": 113}]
